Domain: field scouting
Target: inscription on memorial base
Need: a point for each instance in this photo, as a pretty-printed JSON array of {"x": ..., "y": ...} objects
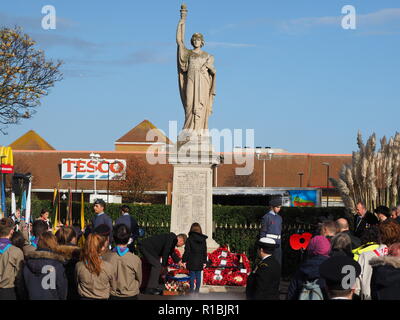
[{"x": 192, "y": 199}]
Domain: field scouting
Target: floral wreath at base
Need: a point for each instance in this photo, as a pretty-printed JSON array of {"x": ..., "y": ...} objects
[{"x": 229, "y": 272}]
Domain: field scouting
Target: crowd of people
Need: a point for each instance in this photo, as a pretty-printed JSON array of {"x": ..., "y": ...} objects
[
  {"x": 40, "y": 262},
  {"x": 339, "y": 263},
  {"x": 55, "y": 264}
]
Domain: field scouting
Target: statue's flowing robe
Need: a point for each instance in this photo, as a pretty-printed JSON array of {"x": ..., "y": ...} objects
[{"x": 196, "y": 86}]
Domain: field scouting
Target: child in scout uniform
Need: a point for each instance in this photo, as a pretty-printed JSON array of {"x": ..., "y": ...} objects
[
  {"x": 263, "y": 282},
  {"x": 128, "y": 266},
  {"x": 94, "y": 276},
  {"x": 11, "y": 262}
]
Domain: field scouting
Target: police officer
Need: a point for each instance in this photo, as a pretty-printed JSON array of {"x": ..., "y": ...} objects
[
  {"x": 271, "y": 227},
  {"x": 263, "y": 282}
]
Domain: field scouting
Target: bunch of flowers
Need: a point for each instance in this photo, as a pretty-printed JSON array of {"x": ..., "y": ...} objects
[
  {"x": 213, "y": 277},
  {"x": 174, "y": 272},
  {"x": 227, "y": 268},
  {"x": 222, "y": 257},
  {"x": 236, "y": 278},
  {"x": 179, "y": 287}
]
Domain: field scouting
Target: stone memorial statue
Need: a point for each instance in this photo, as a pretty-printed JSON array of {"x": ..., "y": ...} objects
[
  {"x": 196, "y": 74},
  {"x": 194, "y": 157}
]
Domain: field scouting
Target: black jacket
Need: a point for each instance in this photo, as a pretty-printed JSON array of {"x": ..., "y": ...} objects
[
  {"x": 308, "y": 271},
  {"x": 355, "y": 241},
  {"x": 71, "y": 255},
  {"x": 385, "y": 281},
  {"x": 131, "y": 223},
  {"x": 40, "y": 268},
  {"x": 263, "y": 282},
  {"x": 361, "y": 226},
  {"x": 161, "y": 245},
  {"x": 195, "y": 251}
]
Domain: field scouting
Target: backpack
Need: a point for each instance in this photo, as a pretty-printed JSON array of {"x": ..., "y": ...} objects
[{"x": 311, "y": 291}]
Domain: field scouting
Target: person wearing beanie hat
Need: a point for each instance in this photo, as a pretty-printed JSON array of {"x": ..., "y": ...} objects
[
  {"x": 383, "y": 213},
  {"x": 263, "y": 282},
  {"x": 100, "y": 217},
  {"x": 340, "y": 274},
  {"x": 319, "y": 246},
  {"x": 317, "y": 252},
  {"x": 271, "y": 226}
]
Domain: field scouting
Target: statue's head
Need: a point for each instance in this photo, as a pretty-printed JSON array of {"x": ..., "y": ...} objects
[{"x": 195, "y": 38}]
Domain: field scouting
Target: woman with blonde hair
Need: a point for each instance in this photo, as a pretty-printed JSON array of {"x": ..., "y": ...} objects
[{"x": 93, "y": 275}]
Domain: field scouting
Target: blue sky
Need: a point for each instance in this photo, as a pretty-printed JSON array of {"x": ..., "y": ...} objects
[{"x": 284, "y": 68}]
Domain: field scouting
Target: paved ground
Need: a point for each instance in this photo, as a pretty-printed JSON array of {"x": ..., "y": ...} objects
[{"x": 212, "y": 295}]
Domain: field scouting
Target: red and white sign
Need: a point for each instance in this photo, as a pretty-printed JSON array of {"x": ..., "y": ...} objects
[{"x": 86, "y": 169}]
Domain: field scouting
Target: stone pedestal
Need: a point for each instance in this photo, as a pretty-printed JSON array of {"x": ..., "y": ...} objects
[{"x": 192, "y": 187}]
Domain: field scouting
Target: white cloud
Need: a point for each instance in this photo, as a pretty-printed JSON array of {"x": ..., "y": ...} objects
[{"x": 378, "y": 18}]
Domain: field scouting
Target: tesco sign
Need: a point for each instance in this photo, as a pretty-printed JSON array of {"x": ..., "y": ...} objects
[{"x": 86, "y": 169}]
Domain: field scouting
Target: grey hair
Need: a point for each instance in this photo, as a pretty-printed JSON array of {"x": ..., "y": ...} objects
[{"x": 341, "y": 241}]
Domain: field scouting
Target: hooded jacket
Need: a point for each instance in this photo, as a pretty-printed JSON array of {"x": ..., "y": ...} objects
[
  {"x": 195, "y": 251},
  {"x": 44, "y": 276},
  {"x": 363, "y": 282},
  {"x": 308, "y": 271},
  {"x": 385, "y": 281},
  {"x": 71, "y": 254}
]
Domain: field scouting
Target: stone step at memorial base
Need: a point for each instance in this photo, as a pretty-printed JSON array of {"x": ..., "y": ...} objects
[{"x": 222, "y": 289}]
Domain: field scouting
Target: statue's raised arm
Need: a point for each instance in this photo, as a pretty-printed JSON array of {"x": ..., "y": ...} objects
[{"x": 180, "y": 32}]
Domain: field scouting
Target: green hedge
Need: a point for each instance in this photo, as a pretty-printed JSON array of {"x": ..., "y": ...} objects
[
  {"x": 230, "y": 215},
  {"x": 239, "y": 239}
]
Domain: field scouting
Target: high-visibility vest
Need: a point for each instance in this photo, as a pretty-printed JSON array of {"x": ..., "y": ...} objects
[{"x": 364, "y": 248}]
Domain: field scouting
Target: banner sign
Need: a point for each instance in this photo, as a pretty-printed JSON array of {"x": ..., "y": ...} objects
[
  {"x": 86, "y": 169},
  {"x": 7, "y": 161},
  {"x": 303, "y": 198}
]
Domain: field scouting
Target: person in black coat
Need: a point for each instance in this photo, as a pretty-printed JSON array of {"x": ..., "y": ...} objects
[
  {"x": 385, "y": 281},
  {"x": 162, "y": 245},
  {"x": 100, "y": 217},
  {"x": 195, "y": 255},
  {"x": 363, "y": 220},
  {"x": 317, "y": 252},
  {"x": 343, "y": 226},
  {"x": 67, "y": 240},
  {"x": 263, "y": 282},
  {"x": 44, "y": 273}
]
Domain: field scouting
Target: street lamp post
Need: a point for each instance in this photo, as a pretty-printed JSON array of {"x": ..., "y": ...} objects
[
  {"x": 108, "y": 176},
  {"x": 95, "y": 159},
  {"x": 327, "y": 182},
  {"x": 264, "y": 157},
  {"x": 1, "y": 186}
]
